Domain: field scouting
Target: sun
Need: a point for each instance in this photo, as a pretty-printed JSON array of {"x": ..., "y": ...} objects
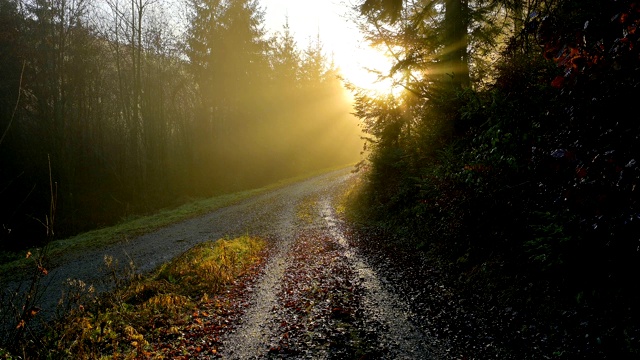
[{"x": 368, "y": 69}]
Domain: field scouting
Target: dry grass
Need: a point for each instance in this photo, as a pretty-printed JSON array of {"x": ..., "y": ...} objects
[
  {"x": 129, "y": 229},
  {"x": 123, "y": 324}
]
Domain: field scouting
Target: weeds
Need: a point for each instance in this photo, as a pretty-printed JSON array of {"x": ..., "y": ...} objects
[
  {"x": 305, "y": 210},
  {"x": 127, "y": 322},
  {"x": 19, "y": 306}
]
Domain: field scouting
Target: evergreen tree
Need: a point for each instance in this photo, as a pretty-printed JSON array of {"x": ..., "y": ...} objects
[
  {"x": 440, "y": 26},
  {"x": 315, "y": 64},
  {"x": 285, "y": 58},
  {"x": 228, "y": 58}
]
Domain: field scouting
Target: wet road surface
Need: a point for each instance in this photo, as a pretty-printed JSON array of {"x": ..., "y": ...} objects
[{"x": 316, "y": 296}]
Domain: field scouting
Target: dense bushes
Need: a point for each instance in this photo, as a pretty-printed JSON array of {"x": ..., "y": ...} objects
[{"x": 538, "y": 180}]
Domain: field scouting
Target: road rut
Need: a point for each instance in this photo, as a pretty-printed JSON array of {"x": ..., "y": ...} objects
[{"x": 316, "y": 296}]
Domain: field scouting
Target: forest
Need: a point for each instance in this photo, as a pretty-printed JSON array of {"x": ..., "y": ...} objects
[
  {"x": 512, "y": 154},
  {"x": 505, "y": 154},
  {"x": 119, "y": 108}
]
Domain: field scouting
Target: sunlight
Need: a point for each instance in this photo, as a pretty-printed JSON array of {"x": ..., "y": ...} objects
[
  {"x": 368, "y": 69},
  {"x": 341, "y": 40}
]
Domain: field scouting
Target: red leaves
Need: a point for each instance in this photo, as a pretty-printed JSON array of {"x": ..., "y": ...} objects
[
  {"x": 28, "y": 315},
  {"x": 581, "y": 172},
  {"x": 316, "y": 293},
  {"x": 623, "y": 18},
  {"x": 558, "y": 82},
  {"x": 33, "y": 312},
  {"x": 588, "y": 50},
  {"x": 479, "y": 168},
  {"x": 42, "y": 270}
]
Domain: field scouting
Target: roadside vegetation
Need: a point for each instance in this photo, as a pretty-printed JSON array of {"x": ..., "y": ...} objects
[
  {"x": 129, "y": 229},
  {"x": 515, "y": 170},
  {"x": 144, "y": 312},
  {"x": 20, "y": 310}
]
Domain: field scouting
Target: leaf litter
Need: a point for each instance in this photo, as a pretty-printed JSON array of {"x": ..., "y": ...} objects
[
  {"x": 325, "y": 289},
  {"x": 314, "y": 297}
]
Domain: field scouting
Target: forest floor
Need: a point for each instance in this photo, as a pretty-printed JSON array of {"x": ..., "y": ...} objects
[{"x": 324, "y": 290}]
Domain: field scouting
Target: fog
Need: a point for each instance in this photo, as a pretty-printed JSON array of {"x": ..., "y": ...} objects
[{"x": 109, "y": 113}]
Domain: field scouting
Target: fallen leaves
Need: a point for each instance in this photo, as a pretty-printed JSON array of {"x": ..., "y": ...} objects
[
  {"x": 199, "y": 336},
  {"x": 320, "y": 302}
]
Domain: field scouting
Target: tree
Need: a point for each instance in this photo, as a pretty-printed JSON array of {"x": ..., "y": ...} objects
[
  {"x": 130, "y": 122},
  {"x": 455, "y": 58},
  {"x": 450, "y": 17},
  {"x": 13, "y": 55},
  {"x": 228, "y": 55},
  {"x": 315, "y": 65},
  {"x": 285, "y": 58}
]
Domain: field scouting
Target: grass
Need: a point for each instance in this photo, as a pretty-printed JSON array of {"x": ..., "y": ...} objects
[
  {"x": 125, "y": 324},
  {"x": 305, "y": 210},
  {"x": 134, "y": 227}
]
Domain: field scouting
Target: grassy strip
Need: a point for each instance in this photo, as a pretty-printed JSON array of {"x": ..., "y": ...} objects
[
  {"x": 132, "y": 228},
  {"x": 123, "y": 324}
]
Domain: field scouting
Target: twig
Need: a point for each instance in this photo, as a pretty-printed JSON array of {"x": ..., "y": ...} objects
[{"x": 15, "y": 107}]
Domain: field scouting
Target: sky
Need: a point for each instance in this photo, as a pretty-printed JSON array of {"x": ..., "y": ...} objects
[{"x": 329, "y": 19}]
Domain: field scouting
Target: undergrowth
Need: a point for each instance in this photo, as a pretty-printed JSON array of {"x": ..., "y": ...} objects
[
  {"x": 124, "y": 324},
  {"x": 535, "y": 211}
]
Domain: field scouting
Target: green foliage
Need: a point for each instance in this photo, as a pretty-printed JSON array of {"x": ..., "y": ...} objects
[
  {"x": 532, "y": 169},
  {"x": 382, "y": 9},
  {"x": 6, "y": 355},
  {"x": 549, "y": 241}
]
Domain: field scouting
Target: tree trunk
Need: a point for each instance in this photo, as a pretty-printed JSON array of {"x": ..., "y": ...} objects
[{"x": 455, "y": 57}]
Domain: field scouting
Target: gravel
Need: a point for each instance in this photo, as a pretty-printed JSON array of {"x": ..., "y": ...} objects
[
  {"x": 403, "y": 339},
  {"x": 315, "y": 297},
  {"x": 320, "y": 299},
  {"x": 267, "y": 214}
]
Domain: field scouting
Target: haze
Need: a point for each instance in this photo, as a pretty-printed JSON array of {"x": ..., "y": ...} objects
[{"x": 112, "y": 110}]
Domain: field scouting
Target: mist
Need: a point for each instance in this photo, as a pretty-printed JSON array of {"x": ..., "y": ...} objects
[{"x": 109, "y": 113}]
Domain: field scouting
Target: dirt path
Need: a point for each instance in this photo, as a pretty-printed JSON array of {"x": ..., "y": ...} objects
[
  {"x": 267, "y": 214},
  {"x": 319, "y": 299},
  {"x": 315, "y": 296}
]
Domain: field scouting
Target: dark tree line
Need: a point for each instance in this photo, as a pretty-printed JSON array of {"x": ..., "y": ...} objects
[
  {"x": 525, "y": 174},
  {"x": 131, "y": 113}
]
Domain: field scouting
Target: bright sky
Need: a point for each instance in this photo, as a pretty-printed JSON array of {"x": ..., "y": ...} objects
[{"x": 329, "y": 18}]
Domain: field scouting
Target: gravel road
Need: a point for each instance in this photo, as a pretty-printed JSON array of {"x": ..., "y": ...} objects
[{"x": 340, "y": 289}]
